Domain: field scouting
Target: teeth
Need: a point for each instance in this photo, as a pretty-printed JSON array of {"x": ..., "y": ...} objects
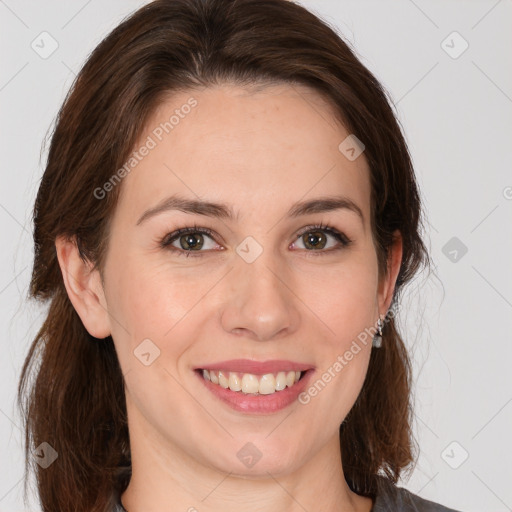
[
  {"x": 280, "y": 381},
  {"x": 214, "y": 377},
  {"x": 267, "y": 384},
  {"x": 223, "y": 380},
  {"x": 234, "y": 382},
  {"x": 250, "y": 383}
]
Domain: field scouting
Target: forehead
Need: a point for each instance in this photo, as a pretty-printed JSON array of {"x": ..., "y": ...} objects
[{"x": 245, "y": 147}]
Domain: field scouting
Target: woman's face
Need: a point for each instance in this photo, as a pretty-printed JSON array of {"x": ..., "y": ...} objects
[{"x": 264, "y": 286}]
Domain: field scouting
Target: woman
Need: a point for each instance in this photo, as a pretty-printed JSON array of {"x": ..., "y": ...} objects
[{"x": 227, "y": 218}]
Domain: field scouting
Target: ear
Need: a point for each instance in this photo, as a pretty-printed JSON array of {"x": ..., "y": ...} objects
[
  {"x": 84, "y": 288},
  {"x": 387, "y": 282}
]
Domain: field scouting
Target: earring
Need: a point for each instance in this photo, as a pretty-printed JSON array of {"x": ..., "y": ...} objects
[{"x": 377, "y": 339}]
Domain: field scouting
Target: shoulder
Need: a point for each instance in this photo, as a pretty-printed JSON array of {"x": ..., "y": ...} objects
[{"x": 389, "y": 497}]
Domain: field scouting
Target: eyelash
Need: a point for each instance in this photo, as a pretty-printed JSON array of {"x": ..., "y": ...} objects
[{"x": 167, "y": 240}]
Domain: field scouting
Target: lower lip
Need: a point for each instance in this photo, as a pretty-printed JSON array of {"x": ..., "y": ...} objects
[{"x": 250, "y": 403}]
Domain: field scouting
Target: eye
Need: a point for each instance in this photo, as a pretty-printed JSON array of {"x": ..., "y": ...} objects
[
  {"x": 315, "y": 238},
  {"x": 186, "y": 241}
]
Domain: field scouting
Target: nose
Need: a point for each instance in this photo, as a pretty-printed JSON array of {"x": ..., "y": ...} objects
[{"x": 259, "y": 302}]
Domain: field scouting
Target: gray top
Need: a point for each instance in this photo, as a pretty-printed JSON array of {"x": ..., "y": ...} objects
[{"x": 389, "y": 498}]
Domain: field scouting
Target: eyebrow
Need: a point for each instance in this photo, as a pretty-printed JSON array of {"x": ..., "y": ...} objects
[{"x": 224, "y": 211}]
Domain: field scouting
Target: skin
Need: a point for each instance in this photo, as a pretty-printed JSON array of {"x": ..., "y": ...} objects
[{"x": 265, "y": 150}]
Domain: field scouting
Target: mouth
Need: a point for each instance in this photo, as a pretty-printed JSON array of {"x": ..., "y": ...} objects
[
  {"x": 250, "y": 383},
  {"x": 268, "y": 388}
]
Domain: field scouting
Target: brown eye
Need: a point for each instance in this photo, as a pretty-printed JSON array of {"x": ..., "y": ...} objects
[
  {"x": 191, "y": 241},
  {"x": 314, "y": 240}
]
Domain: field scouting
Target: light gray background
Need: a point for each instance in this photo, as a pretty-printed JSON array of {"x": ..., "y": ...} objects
[{"x": 457, "y": 115}]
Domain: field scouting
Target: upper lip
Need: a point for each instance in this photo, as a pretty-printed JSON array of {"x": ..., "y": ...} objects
[{"x": 257, "y": 367}]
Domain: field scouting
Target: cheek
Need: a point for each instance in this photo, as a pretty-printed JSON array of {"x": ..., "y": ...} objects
[
  {"x": 346, "y": 313},
  {"x": 152, "y": 298},
  {"x": 343, "y": 298},
  {"x": 165, "y": 304}
]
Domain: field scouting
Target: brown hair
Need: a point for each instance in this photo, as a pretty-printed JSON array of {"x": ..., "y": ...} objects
[{"x": 76, "y": 401}]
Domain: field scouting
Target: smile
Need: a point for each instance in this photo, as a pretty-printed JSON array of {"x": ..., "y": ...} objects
[
  {"x": 251, "y": 383},
  {"x": 250, "y": 386}
]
